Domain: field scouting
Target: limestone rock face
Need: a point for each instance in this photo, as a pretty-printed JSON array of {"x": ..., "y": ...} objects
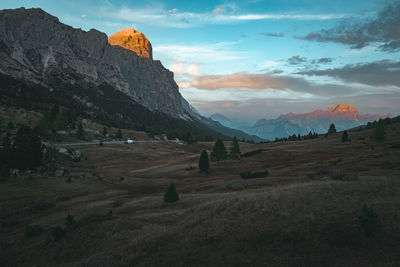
[
  {"x": 132, "y": 40},
  {"x": 36, "y": 48}
]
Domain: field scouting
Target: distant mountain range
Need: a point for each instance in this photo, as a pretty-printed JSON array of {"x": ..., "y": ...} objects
[
  {"x": 115, "y": 79},
  {"x": 342, "y": 115}
]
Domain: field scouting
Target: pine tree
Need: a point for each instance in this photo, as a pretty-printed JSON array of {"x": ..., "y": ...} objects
[
  {"x": 104, "y": 131},
  {"x": 171, "y": 195},
  {"x": 204, "y": 163},
  {"x": 235, "y": 149},
  {"x": 332, "y": 129},
  {"x": 345, "y": 137},
  {"x": 10, "y": 125},
  {"x": 219, "y": 151},
  {"x": 79, "y": 131},
  {"x": 61, "y": 120},
  {"x": 28, "y": 148},
  {"x": 380, "y": 132},
  {"x": 119, "y": 134}
]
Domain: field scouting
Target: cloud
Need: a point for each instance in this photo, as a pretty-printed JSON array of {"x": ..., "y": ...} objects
[
  {"x": 218, "y": 10},
  {"x": 171, "y": 11},
  {"x": 210, "y": 53},
  {"x": 322, "y": 60},
  {"x": 383, "y": 29},
  {"x": 295, "y": 60},
  {"x": 184, "y": 69},
  {"x": 277, "y": 34},
  {"x": 236, "y": 80},
  {"x": 379, "y": 73},
  {"x": 222, "y": 14},
  {"x": 251, "y": 83}
]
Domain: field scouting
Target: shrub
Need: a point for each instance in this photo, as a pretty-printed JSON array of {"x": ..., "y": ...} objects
[
  {"x": 249, "y": 175},
  {"x": 337, "y": 173},
  {"x": 368, "y": 221},
  {"x": 350, "y": 178},
  {"x": 204, "y": 163},
  {"x": 251, "y": 153},
  {"x": 58, "y": 233},
  {"x": 395, "y": 146},
  {"x": 121, "y": 178},
  {"x": 117, "y": 203},
  {"x": 190, "y": 168},
  {"x": 171, "y": 195},
  {"x": 109, "y": 213},
  {"x": 33, "y": 230},
  {"x": 70, "y": 220}
]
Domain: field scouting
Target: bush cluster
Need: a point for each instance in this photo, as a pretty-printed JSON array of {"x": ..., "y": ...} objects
[{"x": 249, "y": 175}]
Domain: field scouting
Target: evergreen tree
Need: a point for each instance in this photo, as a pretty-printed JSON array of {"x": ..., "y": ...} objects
[
  {"x": 6, "y": 142},
  {"x": 332, "y": 129},
  {"x": 79, "y": 131},
  {"x": 171, "y": 195},
  {"x": 27, "y": 148},
  {"x": 219, "y": 151},
  {"x": 54, "y": 111},
  {"x": 204, "y": 163},
  {"x": 10, "y": 125},
  {"x": 380, "y": 132},
  {"x": 44, "y": 123},
  {"x": 119, "y": 134},
  {"x": 104, "y": 131},
  {"x": 235, "y": 149},
  {"x": 61, "y": 120},
  {"x": 345, "y": 137}
]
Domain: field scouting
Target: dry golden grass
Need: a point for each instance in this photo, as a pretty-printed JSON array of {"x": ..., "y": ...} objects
[{"x": 297, "y": 216}]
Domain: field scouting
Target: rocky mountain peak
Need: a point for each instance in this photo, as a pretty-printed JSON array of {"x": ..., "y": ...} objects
[
  {"x": 132, "y": 40},
  {"x": 343, "y": 108}
]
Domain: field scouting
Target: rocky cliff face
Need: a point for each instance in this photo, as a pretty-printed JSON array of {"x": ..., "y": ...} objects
[
  {"x": 37, "y": 48},
  {"x": 132, "y": 40}
]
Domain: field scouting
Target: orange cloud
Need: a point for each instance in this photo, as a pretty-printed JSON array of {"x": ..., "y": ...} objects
[{"x": 235, "y": 80}]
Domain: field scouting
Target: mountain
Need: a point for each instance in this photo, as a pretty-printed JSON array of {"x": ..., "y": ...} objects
[
  {"x": 132, "y": 40},
  {"x": 45, "y": 62},
  {"x": 342, "y": 115},
  {"x": 37, "y": 48},
  {"x": 221, "y": 119}
]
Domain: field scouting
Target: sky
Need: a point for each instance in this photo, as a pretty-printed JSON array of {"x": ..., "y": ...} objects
[{"x": 254, "y": 59}]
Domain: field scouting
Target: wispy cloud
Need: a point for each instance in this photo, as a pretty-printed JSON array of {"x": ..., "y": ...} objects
[
  {"x": 223, "y": 14},
  {"x": 295, "y": 60},
  {"x": 236, "y": 80},
  {"x": 210, "y": 53},
  {"x": 273, "y": 34}
]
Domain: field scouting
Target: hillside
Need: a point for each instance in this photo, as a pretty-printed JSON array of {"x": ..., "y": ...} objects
[{"x": 299, "y": 215}]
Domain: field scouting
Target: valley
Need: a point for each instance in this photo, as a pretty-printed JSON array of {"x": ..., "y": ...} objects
[{"x": 299, "y": 215}]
